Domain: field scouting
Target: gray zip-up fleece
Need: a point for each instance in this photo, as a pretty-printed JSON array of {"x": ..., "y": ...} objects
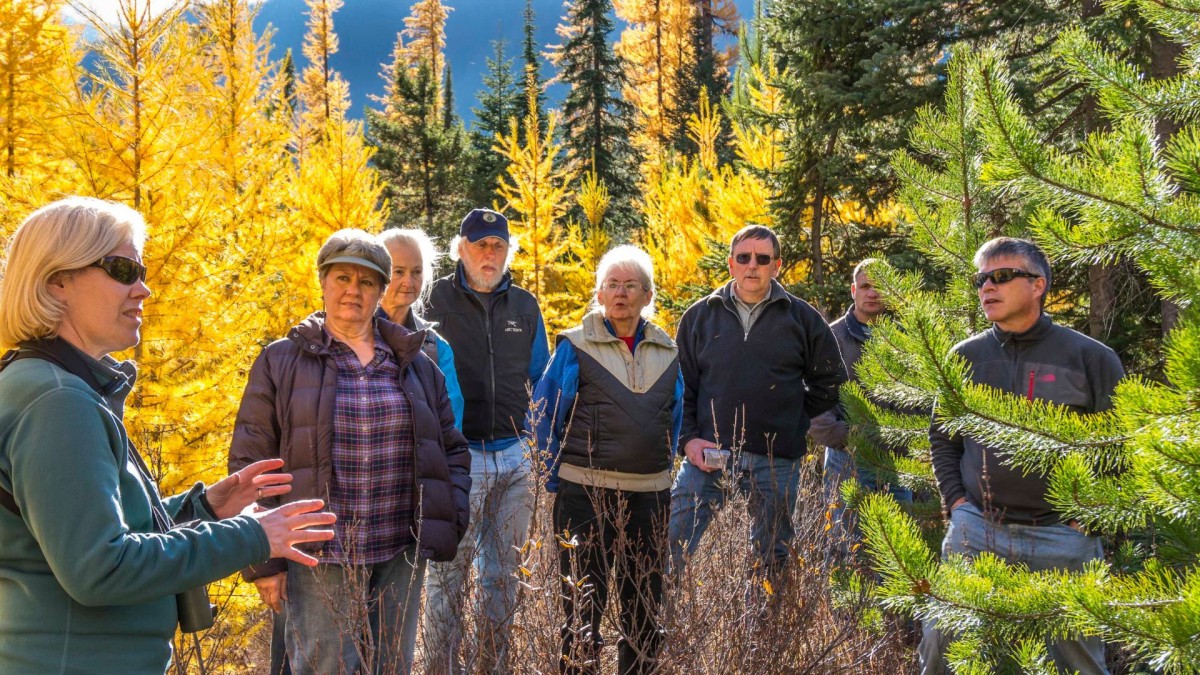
[{"x": 1048, "y": 363}]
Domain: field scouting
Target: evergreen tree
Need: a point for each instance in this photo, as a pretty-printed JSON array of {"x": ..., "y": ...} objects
[
  {"x": 420, "y": 153},
  {"x": 854, "y": 75},
  {"x": 500, "y": 101},
  {"x": 707, "y": 69},
  {"x": 596, "y": 121},
  {"x": 1123, "y": 192},
  {"x": 284, "y": 104},
  {"x": 531, "y": 69}
]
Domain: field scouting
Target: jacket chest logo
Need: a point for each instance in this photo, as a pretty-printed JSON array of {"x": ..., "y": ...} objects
[{"x": 512, "y": 327}]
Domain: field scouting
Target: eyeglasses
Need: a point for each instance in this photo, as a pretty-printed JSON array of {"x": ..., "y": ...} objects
[
  {"x": 1000, "y": 276},
  {"x": 763, "y": 259},
  {"x": 630, "y": 287},
  {"x": 122, "y": 270}
]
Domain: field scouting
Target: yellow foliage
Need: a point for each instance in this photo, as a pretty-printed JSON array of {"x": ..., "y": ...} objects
[
  {"x": 761, "y": 146},
  {"x": 593, "y": 198},
  {"x": 657, "y": 45},
  {"x": 37, "y": 55},
  {"x": 692, "y": 210},
  {"x": 425, "y": 29},
  {"x": 321, "y": 91},
  {"x": 536, "y": 188}
]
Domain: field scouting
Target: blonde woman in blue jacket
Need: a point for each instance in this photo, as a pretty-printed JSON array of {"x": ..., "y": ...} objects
[{"x": 89, "y": 561}]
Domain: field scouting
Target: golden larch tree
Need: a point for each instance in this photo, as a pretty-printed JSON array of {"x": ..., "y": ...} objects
[
  {"x": 144, "y": 133},
  {"x": 336, "y": 187},
  {"x": 693, "y": 208},
  {"x": 657, "y": 46},
  {"x": 322, "y": 92},
  {"x": 37, "y": 58},
  {"x": 425, "y": 30},
  {"x": 536, "y": 189}
]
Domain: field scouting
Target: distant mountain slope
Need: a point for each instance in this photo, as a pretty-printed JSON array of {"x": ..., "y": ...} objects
[{"x": 367, "y": 32}]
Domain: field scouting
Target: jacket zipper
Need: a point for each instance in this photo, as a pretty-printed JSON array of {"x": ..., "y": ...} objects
[
  {"x": 1029, "y": 395},
  {"x": 491, "y": 377}
]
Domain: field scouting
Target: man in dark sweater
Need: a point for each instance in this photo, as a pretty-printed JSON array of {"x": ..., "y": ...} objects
[
  {"x": 758, "y": 363},
  {"x": 994, "y": 506},
  {"x": 831, "y": 430}
]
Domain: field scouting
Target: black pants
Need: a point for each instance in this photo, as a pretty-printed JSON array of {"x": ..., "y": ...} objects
[{"x": 621, "y": 532}]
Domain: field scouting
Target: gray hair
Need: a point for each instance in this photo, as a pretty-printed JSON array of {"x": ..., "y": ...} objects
[
  {"x": 58, "y": 238},
  {"x": 1024, "y": 249},
  {"x": 357, "y": 243},
  {"x": 513, "y": 246},
  {"x": 424, "y": 246},
  {"x": 632, "y": 258},
  {"x": 755, "y": 232}
]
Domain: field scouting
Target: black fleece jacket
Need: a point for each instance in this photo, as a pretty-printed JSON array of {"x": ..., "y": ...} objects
[
  {"x": 1048, "y": 363},
  {"x": 763, "y": 386}
]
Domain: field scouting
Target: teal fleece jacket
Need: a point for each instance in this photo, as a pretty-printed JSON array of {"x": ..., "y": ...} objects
[{"x": 86, "y": 585}]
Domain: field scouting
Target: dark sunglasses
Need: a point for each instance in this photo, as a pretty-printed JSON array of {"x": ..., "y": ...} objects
[
  {"x": 1000, "y": 276},
  {"x": 761, "y": 258},
  {"x": 123, "y": 270}
]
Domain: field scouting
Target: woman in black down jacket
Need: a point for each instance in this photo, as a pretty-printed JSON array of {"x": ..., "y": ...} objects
[{"x": 360, "y": 417}]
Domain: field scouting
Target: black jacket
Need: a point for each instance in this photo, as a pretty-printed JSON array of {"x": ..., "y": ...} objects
[
  {"x": 1048, "y": 363},
  {"x": 287, "y": 412},
  {"x": 830, "y": 428},
  {"x": 763, "y": 386},
  {"x": 499, "y": 340}
]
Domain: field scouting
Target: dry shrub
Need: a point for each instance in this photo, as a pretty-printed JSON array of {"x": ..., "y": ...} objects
[{"x": 719, "y": 614}]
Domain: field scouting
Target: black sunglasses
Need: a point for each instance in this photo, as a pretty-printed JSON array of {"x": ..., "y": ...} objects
[
  {"x": 761, "y": 258},
  {"x": 123, "y": 270},
  {"x": 1000, "y": 276}
]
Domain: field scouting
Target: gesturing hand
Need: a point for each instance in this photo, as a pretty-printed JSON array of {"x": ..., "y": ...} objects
[
  {"x": 233, "y": 493},
  {"x": 288, "y": 525}
]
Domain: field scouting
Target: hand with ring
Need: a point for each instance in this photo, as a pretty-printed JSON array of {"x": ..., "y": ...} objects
[{"x": 230, "y": 495}]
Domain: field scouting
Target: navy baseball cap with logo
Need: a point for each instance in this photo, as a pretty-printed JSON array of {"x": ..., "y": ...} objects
[{"x": 482, "y": 223}]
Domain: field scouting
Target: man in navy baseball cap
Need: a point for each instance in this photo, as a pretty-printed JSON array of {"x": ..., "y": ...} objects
[{"x": 496, "y": 331}]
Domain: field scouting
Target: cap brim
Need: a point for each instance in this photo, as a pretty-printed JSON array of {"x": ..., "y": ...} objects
[
  {"x": 355, "y": 260},
  {"x": 493, "y": 235}
]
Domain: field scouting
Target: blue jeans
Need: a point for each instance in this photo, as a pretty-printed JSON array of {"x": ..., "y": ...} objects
[
  {"x": 501, "y": 505},
  {"x": 1040, "y": 547},
  {"x": 771, "y": 485},
  {"x": 344, "y": 619},
  {"x": 840, "y": 467}
]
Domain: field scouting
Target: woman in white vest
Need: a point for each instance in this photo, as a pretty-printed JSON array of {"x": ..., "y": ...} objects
[{"x": 605, "y": 419}]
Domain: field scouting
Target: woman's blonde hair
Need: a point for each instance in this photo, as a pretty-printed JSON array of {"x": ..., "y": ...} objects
[
  {"x": 425, "y": 247},
  {"x": 62, "y": 236}
]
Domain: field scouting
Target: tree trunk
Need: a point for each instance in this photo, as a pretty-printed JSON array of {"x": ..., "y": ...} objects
[{"x": 1164, "y": 63}]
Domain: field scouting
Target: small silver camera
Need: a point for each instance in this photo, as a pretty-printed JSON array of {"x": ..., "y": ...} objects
[{"x": 716, "y": 458}]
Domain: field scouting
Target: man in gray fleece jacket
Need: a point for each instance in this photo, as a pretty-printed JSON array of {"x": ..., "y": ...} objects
[{"x": 996, "y": 507}]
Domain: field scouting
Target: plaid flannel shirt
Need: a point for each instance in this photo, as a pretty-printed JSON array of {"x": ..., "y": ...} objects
[{"x": 374, "y": 449}]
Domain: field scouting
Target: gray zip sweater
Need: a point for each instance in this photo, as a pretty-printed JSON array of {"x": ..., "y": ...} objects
[{"x": 1048, "y": 363}]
